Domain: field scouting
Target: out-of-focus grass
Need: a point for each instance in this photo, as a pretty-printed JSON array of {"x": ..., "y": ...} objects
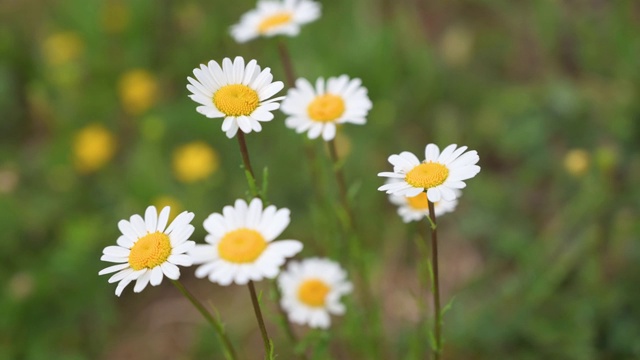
[{"x": 542, "y": 253}]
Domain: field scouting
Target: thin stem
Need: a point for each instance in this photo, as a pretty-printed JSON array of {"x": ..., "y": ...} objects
[
  {"x": 286, "y": 63},
  {"x": 230, "y": 353},
  {"x": 245, "y": 153},
  {"x": 342, "y": 184},
  {"x": 436, "y": 284},
  {"x": 268, "y": 348}
]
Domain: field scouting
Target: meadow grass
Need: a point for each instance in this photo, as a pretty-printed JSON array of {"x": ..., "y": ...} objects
[{"x": 539, "y": 260}]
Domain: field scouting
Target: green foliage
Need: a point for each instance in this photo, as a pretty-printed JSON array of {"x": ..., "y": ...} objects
[{"x": 543, "y": 259}]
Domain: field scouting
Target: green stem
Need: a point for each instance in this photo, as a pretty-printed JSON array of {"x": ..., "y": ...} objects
[
  {"x": 286, "y": 63},
  {"x": 245, "y": 154},
  {"x": 268, "y": 346},
  {"x": 340, "y": 179},
  {"x": 436, "y": 284},
  {"x": 229, "y": 351}
]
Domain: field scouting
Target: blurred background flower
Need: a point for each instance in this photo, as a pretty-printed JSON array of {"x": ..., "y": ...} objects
[
  {"x": 93, "y": 148},
  {"x": 194, "y": 161}
]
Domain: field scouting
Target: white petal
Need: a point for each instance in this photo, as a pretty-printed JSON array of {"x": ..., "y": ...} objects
[
  {"x": 170, "y": 270},
  {"x": 116, "y": 251},
  {"x": 163, "y": 218},
  {"x": 180, "y": 259},
  {"x": 156, "y": 276},
  {"x": 142, "y": 282},
  {"x": 151, "y": 218},
  {"x": 431, "y": 152},
  {"x": 270, "y": 90},
  {"x": 113, "y": 268},
  {"x": 329, "y": 132},
  {"x": 127, "y": 230},
  {"x": 279, "y": 223},
  {"x": 434, "y": 194},
  {"x": 244, "y": 124}
]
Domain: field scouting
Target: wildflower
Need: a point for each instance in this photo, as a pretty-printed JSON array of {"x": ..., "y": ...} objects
[
  {"x": 138, "y": 90},
  {"x": 280, "y": 17},
  {"x": 62, "y": 48},
  {"x": 93, "y": 147},
  {"x": 439, "y": 174},
  {"x": 194, "y": 161},
  {"x": 340, "y": 100},
  {"x": 415, "y": 208},
  {"x": 311, "y": 290},
  {"x": 237, "y": 93},
  {"x": 148, "y": 250},
  {"x": 576, "y": 162},
  {"x": 240, "y": 244}
]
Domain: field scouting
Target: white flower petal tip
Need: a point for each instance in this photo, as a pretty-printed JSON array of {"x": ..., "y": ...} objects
[
  {"x": 240, "y": 244},
  {"x": 440, "y": 174},
  {"x": 240, "y": 94},
  {"x": 416, "y": 208},
  {"x": 271, "y": 18},
  {"x": 146, "y": 252},
  {"x": 318, "y": 111},
  {"x": 311, "y": 291}
]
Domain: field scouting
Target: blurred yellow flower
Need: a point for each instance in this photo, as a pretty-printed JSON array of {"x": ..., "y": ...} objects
[
  {"x": 62, "y": 47},
  {"x": 576, "y": 162},
  {"x": 195, "y": 161},
  {"x": 115, "y": 17},
  {"x": 165, "y": 200},
  {"x": 93, "y": 147},
  {"x": 456, "y": 46},
  {"x": 138, "y": 90}
]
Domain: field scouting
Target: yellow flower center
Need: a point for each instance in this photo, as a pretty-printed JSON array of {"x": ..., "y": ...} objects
[
  {"x": 427, "y": 175},
  {"x": 150, "y": 251},
  {"x": 313, "y": 292},
  {"x": 326, "y": 108},
  {"x": 236, "y": 100},
  {"x": 241, "y": 246},
  {"x": 419, "y": 202},
  {"x": 274, "y": 21}
]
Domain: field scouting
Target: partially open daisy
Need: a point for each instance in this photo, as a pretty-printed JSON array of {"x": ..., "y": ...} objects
[
  {"x": 340, "y": 100},
  {"x": 415, "y": 208},
  {"x": 311, "y": 290},
  {"x": 238, "y": 93},
  {"x": 275, "y": 17},
  {"x": 148, "y": 250},
  {"x": 241, "y": 246},
  {"x": 439, "y": 174}
]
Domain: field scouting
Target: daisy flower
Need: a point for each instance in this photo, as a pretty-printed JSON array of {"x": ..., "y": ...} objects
[
  {"x": 340, "y": 100},
  {"x": 311, "y": 290},
  {"x": 238, "y": 93},
  {"x": 439, "y": 174},
  {"x": 415, "y": 208},
  {"x": 148, "y": 250},
  {"x": 270, "y": 18},
  {"x": 240, "y": 244}
]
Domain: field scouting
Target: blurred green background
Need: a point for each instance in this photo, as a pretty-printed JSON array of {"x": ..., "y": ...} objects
[{"x": 542, "y": 254}]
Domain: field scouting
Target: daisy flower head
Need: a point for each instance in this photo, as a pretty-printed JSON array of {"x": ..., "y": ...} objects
[
  {"x": 415, "y": 208},
  {"x": 237, "y": 92},
  {"x": 241, "y": 244},
  {"x": 311, "y": 290},
  {"x": 339, "y": 100},
  {"x": 148, "y": 249},
  {"x": 439, "y": 174},
  {"x": 275, "y": 17}
]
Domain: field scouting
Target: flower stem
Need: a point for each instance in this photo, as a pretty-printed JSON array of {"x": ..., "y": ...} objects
[
  {"x": 342, "y": 184},
  {"x": 436, "y": 284},
  {"x": 229, "y": 351},
  {"x": 286, "y": 63},
  {"x": 245, "y": 154},
  {"x": 268, "y": 346}
]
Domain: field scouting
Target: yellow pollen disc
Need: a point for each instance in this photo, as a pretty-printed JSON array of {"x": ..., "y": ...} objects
[
  {"x": 236, "y": 100},
  {"x": 150, "y": 251},
  {"x": 419, "y": 202},
  {"x": 241, "y": 246},
  {"x": 313, "y": 292},
  {"x": 274, "y": 21},
  {"x": 326, "y": 108},
  {"x": 427, "y": 175}
]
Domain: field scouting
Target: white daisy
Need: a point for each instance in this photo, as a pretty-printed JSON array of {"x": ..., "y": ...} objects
[
  {"x": 341, "y": 100},
  {"x": 439, "y": 174},
  {"x": 238, "y": 93},
  {"x": 147, "y": 251},
  {"x": 415, "y": 208},
  {"x": 241, "y": 246},
  {"x": 270, "y": 18},
  {"x": 311, "y": 290}
]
